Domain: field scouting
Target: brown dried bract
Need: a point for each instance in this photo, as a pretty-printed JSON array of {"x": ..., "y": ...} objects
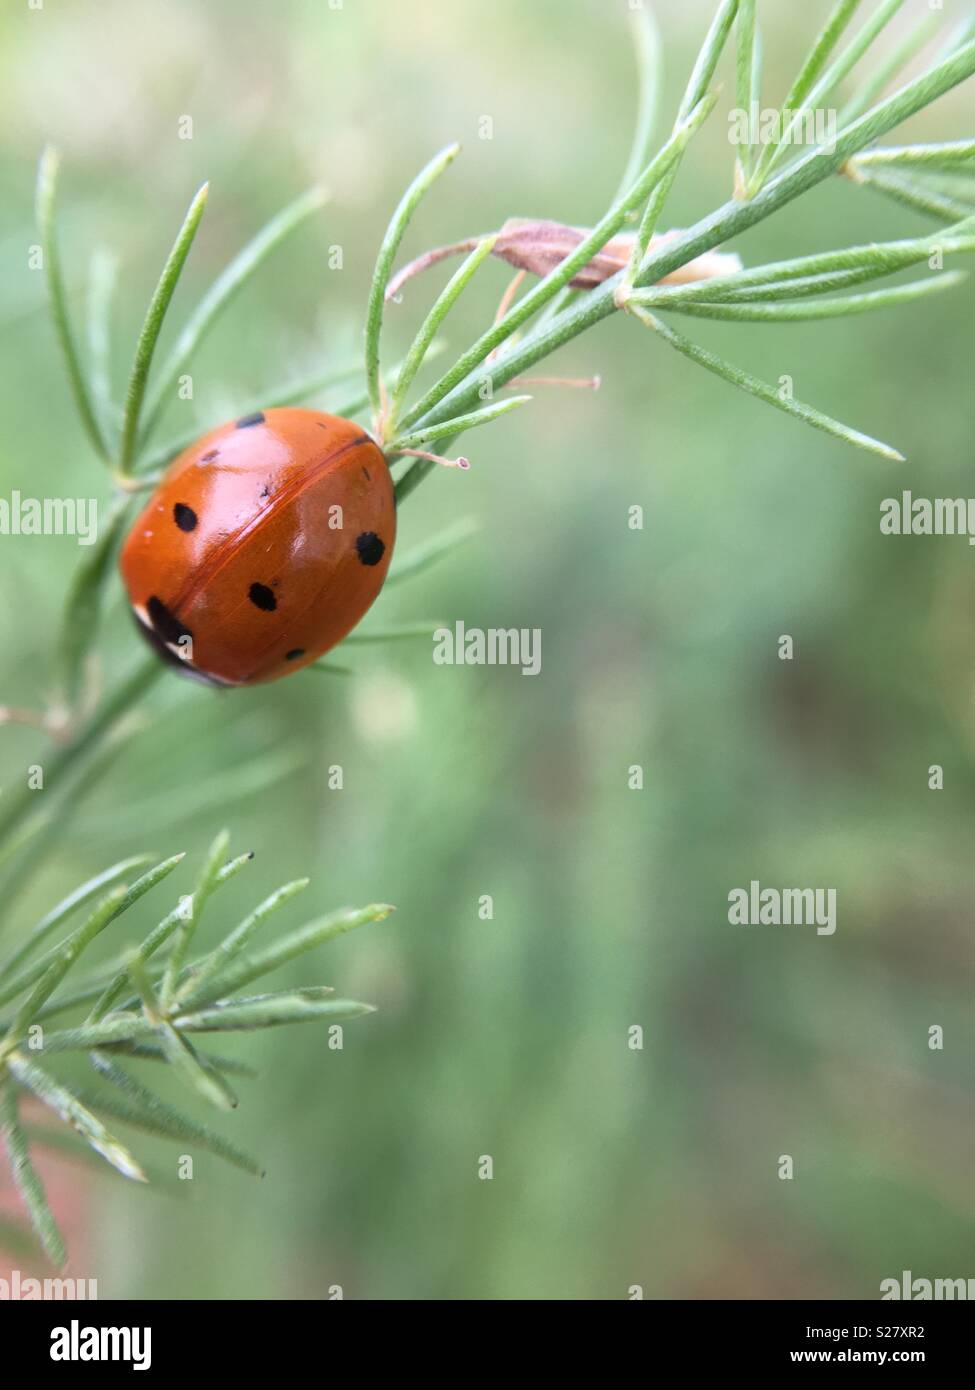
[{"x": 537, "y": 245}]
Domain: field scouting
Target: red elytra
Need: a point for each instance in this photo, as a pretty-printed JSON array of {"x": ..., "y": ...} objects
[{"x": 264, "y": 544}]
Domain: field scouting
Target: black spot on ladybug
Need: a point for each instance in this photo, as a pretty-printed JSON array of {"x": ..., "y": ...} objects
[
  {"x": 184, "y": 516},
  {"x": 294, "y": 654},
  {"x": 367, "y": 475},
  {"x": 177, "y": 661},
  {"x": 165, "y": 623},
  {"x": 362, "y": 439},
  {"x": 246, "y": 421},
  {"x": 261, "y": 597},
  {"x": 370, "y": 548},
  {"x": 209, "y": 457}
]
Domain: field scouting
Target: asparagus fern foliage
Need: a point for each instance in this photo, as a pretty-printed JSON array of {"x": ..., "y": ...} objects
[{"x": 146, "y": 1003}]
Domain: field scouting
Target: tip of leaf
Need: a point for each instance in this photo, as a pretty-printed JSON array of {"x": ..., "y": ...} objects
[{"x": 122, "y": 1161}]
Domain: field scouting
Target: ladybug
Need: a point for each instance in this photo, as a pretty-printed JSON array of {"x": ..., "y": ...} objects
[{"x": 264, "y": 544}]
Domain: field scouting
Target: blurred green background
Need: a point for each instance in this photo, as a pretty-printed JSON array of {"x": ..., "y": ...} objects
[{"x": 613, "y": 1167}]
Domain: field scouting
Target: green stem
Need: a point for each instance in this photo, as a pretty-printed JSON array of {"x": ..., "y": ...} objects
[
  {"x": 726, "y": 222},
  {"x": 87, "y": 741},
  {"x": 433, "y": 402}
]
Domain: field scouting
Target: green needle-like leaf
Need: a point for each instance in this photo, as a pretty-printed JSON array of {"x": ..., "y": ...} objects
[
  {"x": 384, "y": 264},
  {"x": 54, "y": 964},
  {"x": 83, "y": 605},
  {"x": 418, "y": 439},
  {"x": 762, "y": 391},
  {"x": 719, "y": 227},
  {"x": 649, "y": 60},
  {"x": 804, "y": 287},
  {"x": 809, "y": 74},
  {"x": 833, "y": 76},
  {"x": 157, "y": 938},
  {"x": 102, "y": 280},
  {"x": 88, "y": 743},
  {"x": 696, "y": 105},
  {"x": 428, "y": 330},
  {"x": 271, "y": 1011},
  {"x": 878, "y": 259},
  {"x": 949, "y": 154},
  {"x": 661, "y": 191},
  {"x": 220, "y": 294},
  {"x": 747, "y": 74},
  {"x": 874, "y": 86},
  {"x": 76, "y": 899},
  {"x": 913, "y": 193},
  {"x": 151, "y": 329},
  {"x": 540, "y": 294},
  {"x": 144, "y": 987},
  {"x": 52, "y": 968},
  {"x": 209, "y": 878},
  {"x": 706, "y": 63},
  {"x": 71, "y": 1110},
  {"x": 203, "y": 1078},
  {"x": 649, "y": 57},
  {"x": 804, "y": 312},
  {"x": 404, "y": 632},
  {"x": 204, "y": 970},
  {"x": 26, "y": 1179},
  {"x": 138, "y": 1105},
  {"x": 296, "y": 943},
  {"x": 68, "y": 1000},
  {"x": 119, "y": 1029},
  {"x": 149, "y": 880},
  {"x": 152, "y": 1052},
  {"x": 47, "y": 178}
]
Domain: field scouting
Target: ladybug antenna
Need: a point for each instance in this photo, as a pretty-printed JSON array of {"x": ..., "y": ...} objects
[{"x": 460, "y": 462}]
